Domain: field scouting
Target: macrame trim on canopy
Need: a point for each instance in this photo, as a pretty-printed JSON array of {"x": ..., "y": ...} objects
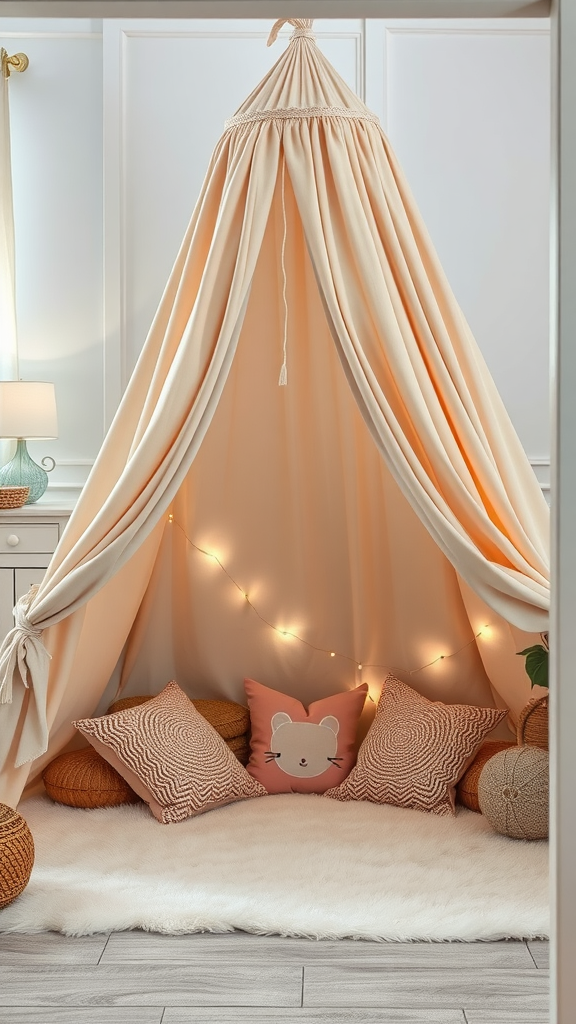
[{"x": 295, "y": 113}]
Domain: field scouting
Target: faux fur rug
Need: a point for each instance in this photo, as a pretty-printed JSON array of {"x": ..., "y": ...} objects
[{"x": 288, "y": 865}]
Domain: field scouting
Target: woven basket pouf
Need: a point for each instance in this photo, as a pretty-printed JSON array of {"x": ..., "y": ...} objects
[
  {"x": 467, "y": 788},
  {"x": 226, "y": 716},
  {"x": 128, "y": 702},
  {"x": 513, "y": 792},
  {"x": 240, "y": 745},
  {"x": 82, "y": 778},
  {"x": 532, "y": 730},
  {"x": 16, "y": 854}
]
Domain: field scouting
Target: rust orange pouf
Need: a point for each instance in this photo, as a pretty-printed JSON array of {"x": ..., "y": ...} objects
[
  {"x": 16, "y": 854},
  {"x": 467, "y": 788},
  {"x": 240, "y": 745},
  {"x": 82, "y": 778}
]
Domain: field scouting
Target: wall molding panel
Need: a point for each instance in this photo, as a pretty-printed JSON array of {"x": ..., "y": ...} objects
[{"x": 475, "y": 29}]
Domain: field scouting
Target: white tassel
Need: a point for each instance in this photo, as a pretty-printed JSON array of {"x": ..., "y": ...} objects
[{"x": 283, "y": 379}]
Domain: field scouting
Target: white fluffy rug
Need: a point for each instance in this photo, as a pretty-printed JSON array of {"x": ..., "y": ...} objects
[{"x": 289, "y": 865}]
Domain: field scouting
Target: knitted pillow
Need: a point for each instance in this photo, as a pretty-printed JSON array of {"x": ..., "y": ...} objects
[
  {"x": 231, "y": 720},
  {"x": 416, "y": 750},
  {"x": 170, "y": 756},
  {"x": 294, "y": 750}
]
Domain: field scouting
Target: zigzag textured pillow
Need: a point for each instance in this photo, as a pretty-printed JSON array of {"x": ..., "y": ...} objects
[
  {"x": 171, "y": 756},
  {"x": 416, "y": 750}
]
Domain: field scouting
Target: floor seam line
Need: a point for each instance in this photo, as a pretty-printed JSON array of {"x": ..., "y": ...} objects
[
  {"x": 104, "y": 948},
  {"x": 532, "y": 956}
]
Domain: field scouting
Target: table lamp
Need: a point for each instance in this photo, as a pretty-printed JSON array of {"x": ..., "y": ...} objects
[{"x": 27, "y": 412}]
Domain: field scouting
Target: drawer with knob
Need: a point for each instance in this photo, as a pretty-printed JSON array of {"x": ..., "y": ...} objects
[{"x": 28, "y": 538}]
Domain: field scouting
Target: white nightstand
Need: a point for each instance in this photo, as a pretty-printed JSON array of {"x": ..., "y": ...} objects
[{"x": 28, "y": 538}]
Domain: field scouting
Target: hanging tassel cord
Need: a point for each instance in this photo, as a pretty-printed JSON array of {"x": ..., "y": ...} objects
[{"x": 283, "y": 379}]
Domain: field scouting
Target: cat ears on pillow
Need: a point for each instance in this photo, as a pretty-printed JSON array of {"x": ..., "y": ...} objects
[{"x": 281, "y": 718}]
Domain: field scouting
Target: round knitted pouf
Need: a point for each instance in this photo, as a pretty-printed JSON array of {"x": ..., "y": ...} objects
[
  {"x": 513, "y": 792},
  {"x": 16, "y": 854},
  {"x": 82, "y": 778}
]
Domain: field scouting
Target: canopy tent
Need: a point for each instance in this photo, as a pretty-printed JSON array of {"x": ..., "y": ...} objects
[{"x": 380, "y": 506}]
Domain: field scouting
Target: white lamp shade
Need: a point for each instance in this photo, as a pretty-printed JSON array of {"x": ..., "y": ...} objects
[{"x": 27, "y": 409}]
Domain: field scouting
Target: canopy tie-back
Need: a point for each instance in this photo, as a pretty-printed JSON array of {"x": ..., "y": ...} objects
[
  {"x": 22, "y": 648},
  {"x": 302, "y": 27}
]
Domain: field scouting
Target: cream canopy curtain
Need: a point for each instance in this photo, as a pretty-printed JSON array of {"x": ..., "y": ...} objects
[{"x": 413, "y": 368}]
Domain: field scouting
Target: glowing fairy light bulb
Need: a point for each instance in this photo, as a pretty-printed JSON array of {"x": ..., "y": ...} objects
[{"x": 332, "y": 654}]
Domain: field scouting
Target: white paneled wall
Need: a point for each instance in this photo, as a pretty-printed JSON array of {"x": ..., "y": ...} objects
[
  {"x": 56, "y": 121},
  {"x": 113, "y": 126}
]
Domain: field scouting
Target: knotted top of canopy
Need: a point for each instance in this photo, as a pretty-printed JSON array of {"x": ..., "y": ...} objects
[{"x": 302, "y": 83}]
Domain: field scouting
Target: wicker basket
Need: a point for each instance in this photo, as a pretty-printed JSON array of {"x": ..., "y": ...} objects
[
  {"x": 467, "y": 788},
  {"x": 230, "y": 720},
  {"x": 13, "y": 497},
  {"x": 16, "y": 854},
  {"x": 82, "y": 778},
  {"x": 532, "y": 728}
]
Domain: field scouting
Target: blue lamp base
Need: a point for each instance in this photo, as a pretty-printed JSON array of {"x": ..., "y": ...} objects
[{"x": 22, "y": 471}]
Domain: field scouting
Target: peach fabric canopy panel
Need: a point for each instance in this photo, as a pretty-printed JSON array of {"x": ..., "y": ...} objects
[{"x": 378, "y": 510}]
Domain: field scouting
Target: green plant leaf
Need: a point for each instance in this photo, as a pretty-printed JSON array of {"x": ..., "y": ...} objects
[{"x": 536, "y": 664}]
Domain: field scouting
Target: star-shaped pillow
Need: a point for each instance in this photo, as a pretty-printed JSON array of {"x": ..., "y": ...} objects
[{"x": 416, "y": 750}]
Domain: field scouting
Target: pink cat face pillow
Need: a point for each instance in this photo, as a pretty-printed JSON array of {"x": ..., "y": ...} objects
[{"x": 294, "y": 750}]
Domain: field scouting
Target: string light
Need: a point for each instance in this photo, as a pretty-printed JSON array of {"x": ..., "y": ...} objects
[
  {"x": 444, "y": 657},
  {"x": 485, "y": 630}
]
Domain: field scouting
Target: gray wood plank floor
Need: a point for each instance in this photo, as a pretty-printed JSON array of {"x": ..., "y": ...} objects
[{"x": 142, "y": 978}]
